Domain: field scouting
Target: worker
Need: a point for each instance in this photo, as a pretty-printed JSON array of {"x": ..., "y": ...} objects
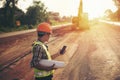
[{"x": 40, "y": 51}]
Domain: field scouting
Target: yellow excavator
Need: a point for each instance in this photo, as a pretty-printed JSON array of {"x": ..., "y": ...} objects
[{"x": 80, "y": 22}]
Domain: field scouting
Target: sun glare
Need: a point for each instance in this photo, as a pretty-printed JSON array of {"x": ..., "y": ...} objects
[{"x": 96, "y": 8}]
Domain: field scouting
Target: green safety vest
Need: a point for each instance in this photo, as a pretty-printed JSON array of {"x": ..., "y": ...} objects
[{"x": 42, "y": 73}]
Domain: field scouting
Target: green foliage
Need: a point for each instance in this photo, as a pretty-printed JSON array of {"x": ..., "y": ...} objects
[
  {"x": 9, "y": 14},
  {"x": 8, "y": 29},
  {"x": 36, "y": 14}
]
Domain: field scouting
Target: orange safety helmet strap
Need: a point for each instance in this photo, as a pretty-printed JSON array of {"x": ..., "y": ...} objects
[{"x": 44, "y": 27}]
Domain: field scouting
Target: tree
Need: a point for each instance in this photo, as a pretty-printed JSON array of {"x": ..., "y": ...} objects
[
  {"x": 108, "y": 14},
  {"x": 8, "y": 11},
  {"x": 117, "y": 13},
  {"x": 117, "y": 3},
  {"x": 36, "y": 13}
]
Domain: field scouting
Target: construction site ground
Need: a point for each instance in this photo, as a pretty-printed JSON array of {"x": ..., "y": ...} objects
[{"x": 92, "y": 54}]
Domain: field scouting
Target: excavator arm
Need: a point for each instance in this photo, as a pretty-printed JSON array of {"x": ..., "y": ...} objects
[{"x": 81, "y": 20}]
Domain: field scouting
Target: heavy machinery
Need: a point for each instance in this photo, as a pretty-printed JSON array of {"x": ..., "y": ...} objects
[{"x": 81, "y": 21}]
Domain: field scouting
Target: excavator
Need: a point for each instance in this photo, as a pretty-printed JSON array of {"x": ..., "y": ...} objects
[{"x": 80, "y": 22}]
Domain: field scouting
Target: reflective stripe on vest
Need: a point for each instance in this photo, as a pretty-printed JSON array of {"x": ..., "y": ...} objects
[{"x": 42, "y": 73}]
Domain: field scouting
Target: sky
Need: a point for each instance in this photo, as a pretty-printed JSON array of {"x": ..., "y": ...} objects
[{"x": 94, "y": 8}]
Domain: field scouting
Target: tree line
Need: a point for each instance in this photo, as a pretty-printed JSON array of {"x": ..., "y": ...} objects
[
  {"x": 10, "y": 14},
  {"x": 114, "y": 16}
]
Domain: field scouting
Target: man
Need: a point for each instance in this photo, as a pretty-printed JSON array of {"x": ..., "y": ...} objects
[{"x": 40, "y": 51}]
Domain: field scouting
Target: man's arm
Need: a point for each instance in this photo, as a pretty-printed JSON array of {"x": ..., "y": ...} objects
[
  {"x": 55, "y": 55},
  {"x": 37, "y": 53},
  {"x": 62, "y": 51}
]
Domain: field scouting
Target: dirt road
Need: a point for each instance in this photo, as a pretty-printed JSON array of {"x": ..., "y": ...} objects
[
  {"x": 97, "y": 57},
  {"x": 91, "y": 55}
]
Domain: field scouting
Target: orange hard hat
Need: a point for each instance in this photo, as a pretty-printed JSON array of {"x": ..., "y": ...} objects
[{"x": 44, "y": 27}]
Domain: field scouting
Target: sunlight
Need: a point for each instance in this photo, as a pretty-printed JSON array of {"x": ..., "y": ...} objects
[
  {"x": 64, "y": 7},
  {"x": 24, "y": 4},
  {"x": 96, "y": 8}
]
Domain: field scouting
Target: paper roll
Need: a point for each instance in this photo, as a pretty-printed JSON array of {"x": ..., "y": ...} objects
[{"x": 58, "y": 64}]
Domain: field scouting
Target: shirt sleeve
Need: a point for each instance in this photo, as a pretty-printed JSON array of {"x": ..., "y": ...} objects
[{"x": 37, "y": 54}]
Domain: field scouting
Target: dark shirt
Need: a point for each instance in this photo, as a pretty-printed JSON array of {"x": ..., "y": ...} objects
[{"x": 38, "y": 54}]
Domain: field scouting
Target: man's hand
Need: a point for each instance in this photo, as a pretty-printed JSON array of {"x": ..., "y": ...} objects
[
  {"x": 51, "y": 67},
  {"x": 63, "y": 50}
]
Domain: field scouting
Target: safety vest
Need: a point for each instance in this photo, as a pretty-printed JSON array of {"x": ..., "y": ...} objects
[{"x": 42, "y": 73}]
